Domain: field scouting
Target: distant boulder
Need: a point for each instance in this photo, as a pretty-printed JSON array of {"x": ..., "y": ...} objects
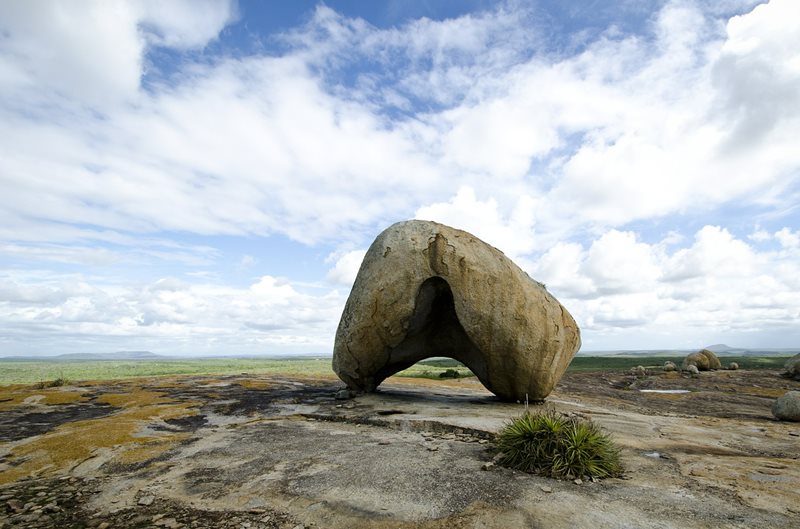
[
  {"x": 639, "y": 371},
  {"x": 692, "y": 370},
  {"x": 670, "y": 366},
  {"x": 792, "y": 367},
  {"x": 787, "y": 406},
  {"x": 733, "y": 366},
  {"x": 703, "y": 360}
]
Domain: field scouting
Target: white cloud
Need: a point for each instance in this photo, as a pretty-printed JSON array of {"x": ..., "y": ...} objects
[
  {"x": 555, "y": 156},
  {"x": 346, "y": 268},
  {"x": 789, "y": 239},
  {"x": 718, "y": 286},
  {"x": 93, "y": 50},
  {"x": 270, "y": 315},
  {"x": 512, "y": 233}
]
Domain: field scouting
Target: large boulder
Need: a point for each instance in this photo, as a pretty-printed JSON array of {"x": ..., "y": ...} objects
[
  {"x": 425, "y": 289},
  {"x": 787, "y": 406},
  {"x": 792, "y": 367},
  {"x": 703, "y": 360}
]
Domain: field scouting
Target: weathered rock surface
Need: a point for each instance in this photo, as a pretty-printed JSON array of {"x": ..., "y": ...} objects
[
  {"x": 787, "y": 406},
  {"x": 792, "y": 367},
  {"x": 425, "y": 289},
  {"x": 703, "y": 360}
]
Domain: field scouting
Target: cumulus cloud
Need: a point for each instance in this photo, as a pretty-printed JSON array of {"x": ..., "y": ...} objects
[
  {"x": 718, "y": 286},
  {"x": 346, "y": 268},
  {"x": 556, "y": 155},
  {"x": 270, "y": 315},
  {"x": 93, "y": 51},
  {"x": 512, "y": 233}
]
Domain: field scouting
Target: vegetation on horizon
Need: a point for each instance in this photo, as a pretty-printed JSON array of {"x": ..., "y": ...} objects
[{"x": 32, "y": 372}]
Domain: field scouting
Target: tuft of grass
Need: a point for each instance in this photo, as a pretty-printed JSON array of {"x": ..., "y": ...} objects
[
  {"x": 555, "y": 445},
  {"x": 57, "y": 383}
]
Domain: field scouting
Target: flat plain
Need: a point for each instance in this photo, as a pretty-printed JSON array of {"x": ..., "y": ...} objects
[{"x": 276, "y": 449}]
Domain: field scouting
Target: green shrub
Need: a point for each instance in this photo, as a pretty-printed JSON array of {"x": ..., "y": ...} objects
[
  {"x": 449, "y": 373},
  {"x": 60, "y": 381},
  {"x": 555, "y": 445}
]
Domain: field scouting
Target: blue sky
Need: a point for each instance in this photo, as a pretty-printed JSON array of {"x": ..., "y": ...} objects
[{"x": 198, "y": 177}]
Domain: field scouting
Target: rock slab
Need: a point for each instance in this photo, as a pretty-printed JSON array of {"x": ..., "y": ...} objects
[
  {"x": 425, "y": 289},
  {"x": 792, "y": 367},
  {"x": 787, "y": 406}
]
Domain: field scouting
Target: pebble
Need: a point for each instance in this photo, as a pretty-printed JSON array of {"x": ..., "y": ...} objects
[
  {"x": 488, "y": 466},
  {"x": 384, "y": 442},
  {"x": 545, "y": 488},
  {"x": 146, "y": 500},
  {"x": 578, "y": 481}
]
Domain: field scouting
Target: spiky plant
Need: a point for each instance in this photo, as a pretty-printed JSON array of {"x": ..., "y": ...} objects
[{"x": 555, "y": 445}]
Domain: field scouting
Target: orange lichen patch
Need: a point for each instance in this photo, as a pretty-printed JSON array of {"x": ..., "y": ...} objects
[
  {"x": 667, "y": 396},
  {"x": 254, "y": 384},
  {"x": 12, "y": 396},
  {"x": 762, "y": 392},
  {"x": 134, "y": 399},
  {"x": 56, "y": 397},
  {"x": 151, "y": 450},
  {"x": 308, "y": 378},
  {"x": 73, "y": 443}
]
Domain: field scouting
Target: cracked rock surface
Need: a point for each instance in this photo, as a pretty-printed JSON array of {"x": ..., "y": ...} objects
[{"x": 281, "y": 452}]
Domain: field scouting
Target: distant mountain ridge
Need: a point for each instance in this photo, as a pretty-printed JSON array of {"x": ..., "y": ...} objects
[
  {"x": 119, "y": 355},
  {"x": 74, "y": 357},
  {"x": 721, "y": 348}
]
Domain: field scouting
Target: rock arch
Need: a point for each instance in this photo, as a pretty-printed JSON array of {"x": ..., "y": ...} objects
[{"x": 425, "y": 289}]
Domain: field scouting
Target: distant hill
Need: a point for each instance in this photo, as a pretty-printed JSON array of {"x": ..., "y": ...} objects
[
  {"x": 119, "y": 355},
  {"x": 721, "y": 348},
  {"x": 81, "y": 357}
]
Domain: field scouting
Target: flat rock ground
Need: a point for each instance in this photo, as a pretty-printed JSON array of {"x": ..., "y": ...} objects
[{"x": 254, "y": 451}]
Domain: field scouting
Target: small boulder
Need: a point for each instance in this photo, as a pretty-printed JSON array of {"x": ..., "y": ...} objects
[
  {"x": 639, "y": 371},
  {"x": 787, "y": 406},
  {"x": 670, "y": 366},
  {"x": 792, "y": 367},
  {"x": 733, "y": 366},
  {"x": 344, "y": 394},
  {"x": 692, "y": 370}
]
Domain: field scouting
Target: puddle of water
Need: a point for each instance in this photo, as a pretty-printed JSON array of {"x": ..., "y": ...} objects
[
  {"x": 768, "y": 478},
  {"x": 664, "y": 390}
]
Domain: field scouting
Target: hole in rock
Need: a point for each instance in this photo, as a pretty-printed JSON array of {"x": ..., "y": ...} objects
[{"x": 434, "y": 331}]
